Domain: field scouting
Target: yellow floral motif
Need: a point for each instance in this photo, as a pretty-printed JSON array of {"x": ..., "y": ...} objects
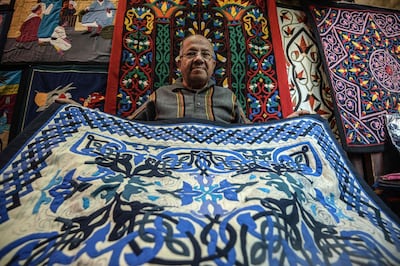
[
  {"x": 249, "y": 20},
  {"x": 165, "y": 8},
  {"x": 135, "y": 14},
  {"x": 233, "y": 9},
  {"x": 223, "y": 3}
]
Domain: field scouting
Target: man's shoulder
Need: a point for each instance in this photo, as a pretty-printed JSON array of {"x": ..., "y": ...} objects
[
  {"x": 170, "y": 87},
  {"x": 223, "y": 90},
  {"x": 167, "y": 88}
]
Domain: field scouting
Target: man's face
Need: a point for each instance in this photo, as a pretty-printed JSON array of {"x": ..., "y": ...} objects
[{"x": 196, "y": 62}]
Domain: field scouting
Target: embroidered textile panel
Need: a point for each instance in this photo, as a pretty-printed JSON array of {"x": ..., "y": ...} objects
[
  {"x": 308, "y": 84},
  {"x": 9, "y": 85},
  {"x": 361, "y": 47},
  {"x": 84, "y": 84},
  {"x": 147, "y": 33},
  {"x": 57, "y": 31},
  {"x": 91, "y": 188}
]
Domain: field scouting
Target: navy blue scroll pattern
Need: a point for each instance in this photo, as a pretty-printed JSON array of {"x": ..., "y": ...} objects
[{"x": 189, "y": 194}]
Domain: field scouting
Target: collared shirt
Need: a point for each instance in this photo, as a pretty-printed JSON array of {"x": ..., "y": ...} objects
[{"x": 212, "y": 103}]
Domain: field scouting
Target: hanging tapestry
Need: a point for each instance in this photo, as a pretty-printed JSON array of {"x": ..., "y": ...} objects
[
  {"x": 308, "y": 84},
  {"x": 361, "y": 47},
  {"x": 147, "y": 41},
  {"x": 91, "y": 188},
  {"x": 85, "y": 85},
  {"x": 9, "y": 85},
  {"x": 60, "y": 31}
]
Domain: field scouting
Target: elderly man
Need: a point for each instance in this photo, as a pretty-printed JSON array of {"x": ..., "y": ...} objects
[{"x": 195, "y": 95}]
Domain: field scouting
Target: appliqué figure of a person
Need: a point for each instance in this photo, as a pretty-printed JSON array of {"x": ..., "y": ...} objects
[
  {"x": 97, "y": 16},
  {"x": 50, "y": 19},
  {"x": 29, "y": 28}
]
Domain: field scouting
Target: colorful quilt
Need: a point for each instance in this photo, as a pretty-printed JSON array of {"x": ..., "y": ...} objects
[
  {"x": 146, "y": 33},
  {"x": 60, "y": 31},
  {"x": 87, "y": 187},
  {"x": 361, "y": 47},
  {"x": 85, "y": 85}
]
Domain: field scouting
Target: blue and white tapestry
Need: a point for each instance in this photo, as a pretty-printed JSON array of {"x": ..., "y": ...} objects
[{"x": 89, "y": 188}]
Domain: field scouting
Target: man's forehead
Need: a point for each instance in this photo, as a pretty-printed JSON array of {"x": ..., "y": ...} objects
[{"x": 192, "y": 43}]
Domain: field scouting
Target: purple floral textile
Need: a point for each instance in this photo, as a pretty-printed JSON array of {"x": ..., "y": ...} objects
[{"x": 361, "y": 47}]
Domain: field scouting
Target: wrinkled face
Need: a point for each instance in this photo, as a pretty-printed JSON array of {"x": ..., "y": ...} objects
[{"x": 196, "y": 61}]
